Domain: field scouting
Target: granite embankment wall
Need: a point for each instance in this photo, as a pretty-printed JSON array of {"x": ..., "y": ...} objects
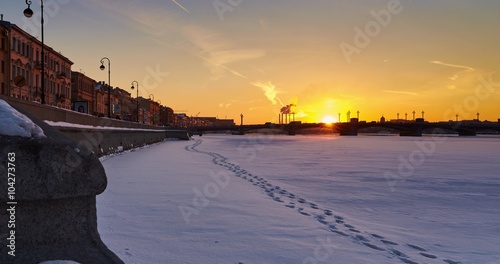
[{"x": 101, "y": 135}]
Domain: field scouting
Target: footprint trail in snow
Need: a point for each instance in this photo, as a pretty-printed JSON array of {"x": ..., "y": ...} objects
[{"x": 333, "y": 222}]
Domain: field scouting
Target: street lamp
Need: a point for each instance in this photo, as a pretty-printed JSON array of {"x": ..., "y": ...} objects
[
  {"x": 102, "y": 67},
  {"x": 137, "y": 98},
  {"x": 152, "y": 104},
  {"x": 29, "y": 13},
  {"x": 159, "y": 112}
]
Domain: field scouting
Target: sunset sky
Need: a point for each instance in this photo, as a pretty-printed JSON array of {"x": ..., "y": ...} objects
[{"x": 229, "y": 57}]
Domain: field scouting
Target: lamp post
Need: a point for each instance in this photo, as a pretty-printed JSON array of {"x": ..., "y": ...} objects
[
  {"x": 29, "y": 13},
  {"x": 137, "y": 98},
  {"x": 102, "y": 67},
  {"x": 159, "y": 112},
  {"x": 152, "y": 100}
]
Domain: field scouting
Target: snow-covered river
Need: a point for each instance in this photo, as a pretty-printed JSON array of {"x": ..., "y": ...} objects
[{"x": 307, "y": 199}]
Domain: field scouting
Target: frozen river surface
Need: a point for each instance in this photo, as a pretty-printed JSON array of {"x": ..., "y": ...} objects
[{"x": 305, "y": 199}]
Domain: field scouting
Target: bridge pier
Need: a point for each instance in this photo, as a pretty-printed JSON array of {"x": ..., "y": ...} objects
[
  {"x": 348, "y": 129},
  {"x": 348, "y": 133},
  {"x": 410, "y": 133},
  {"x": 414, "y": 130},
  {"x": 466, "y": 133}
]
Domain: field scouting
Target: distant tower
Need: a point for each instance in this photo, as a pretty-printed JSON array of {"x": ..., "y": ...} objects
[
  {"x": 241, "y": 116},
  {"x": 456, "y": 116},
  {"x": 348, "y": 116},
  {"x": 382, "y": 119},
  {"x": 477, "y": 116},
  {"x": 357, "y": 114},
  {"x": 414, "y": 115},
  {"x": 339, "y": 117},
  {"x": 406, "y": 116},
  {"x": 398, "y": 116},
  {"x": 423, "y": 114}
]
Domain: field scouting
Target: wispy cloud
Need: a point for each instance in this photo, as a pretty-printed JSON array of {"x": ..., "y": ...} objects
[
  {"x": 182, "y": 7},
  {"x": 224, "y": 105},
  {"x": 216, "y": 51},
  {"x": 400, "y": 92},
  {"x": 452, "y": 65},
  {"x": 456, "y": 75},
  {"x": 149, "y": 18},
  {"x": 269, "y": 90}
]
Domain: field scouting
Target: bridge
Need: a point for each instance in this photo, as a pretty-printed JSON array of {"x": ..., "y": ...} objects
[{"x": 413, "y": 129}]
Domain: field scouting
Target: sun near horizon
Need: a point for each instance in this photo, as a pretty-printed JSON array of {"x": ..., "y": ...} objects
[{"x": 329, "y": 120}]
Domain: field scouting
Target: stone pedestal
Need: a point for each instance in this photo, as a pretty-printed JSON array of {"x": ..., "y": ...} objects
[{"x": 49, "y": 212}]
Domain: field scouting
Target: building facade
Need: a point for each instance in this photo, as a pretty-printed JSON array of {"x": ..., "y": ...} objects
[
  {"x": 122, "y": 105},
  {"x": 83, "y": 93},
  {"x": 4, "y": 58},
  {"x": 167, "y": 117},
  {"x": 23, "y": 69},
  {"x": 21, "y": 77},
  {"x": 149, "y": 111}
]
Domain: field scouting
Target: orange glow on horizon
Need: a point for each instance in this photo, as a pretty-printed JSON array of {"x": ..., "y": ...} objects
[{"x": 328, "y": 120}]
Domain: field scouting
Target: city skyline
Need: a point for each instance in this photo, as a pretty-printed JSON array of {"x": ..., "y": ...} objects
[{"x": 226, "y": 58}]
